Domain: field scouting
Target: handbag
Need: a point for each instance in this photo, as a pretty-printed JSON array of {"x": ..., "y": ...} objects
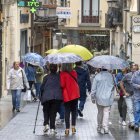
[
  {"x": 27, "y": 96},
  {"x": 24, "y": 86}
]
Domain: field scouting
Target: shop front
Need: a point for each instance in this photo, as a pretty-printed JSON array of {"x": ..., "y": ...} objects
[{"x": 97, "y": 41}]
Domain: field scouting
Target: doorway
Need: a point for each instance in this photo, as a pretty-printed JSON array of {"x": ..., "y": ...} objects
[{"x": 23, "y": 43}]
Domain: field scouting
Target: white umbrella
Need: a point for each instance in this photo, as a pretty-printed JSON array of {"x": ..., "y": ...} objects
[
  {"x": 59, "y": 58},
  {"x": 108, "y": 62}
]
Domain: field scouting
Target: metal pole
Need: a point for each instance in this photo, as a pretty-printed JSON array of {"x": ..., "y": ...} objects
[
  {"x": 0, "y": 53},
  {"x": 110, "y": 42},
  {"x": 125, "y": 34},
  {"x": 32, "y": 34}
]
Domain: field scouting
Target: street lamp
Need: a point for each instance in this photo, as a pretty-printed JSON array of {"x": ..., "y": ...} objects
[{"x": 111, "y": 5}]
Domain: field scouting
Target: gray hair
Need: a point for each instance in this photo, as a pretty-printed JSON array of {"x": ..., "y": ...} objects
[{"x": 67, "y": 67}]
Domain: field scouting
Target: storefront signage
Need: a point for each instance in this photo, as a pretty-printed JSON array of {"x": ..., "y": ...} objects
[
  {"x": 136, "y": 19},
  {"x": 63, "y": 12},
  {"x": 32, "y": 4},
  {"x": 136, "y": 28}
]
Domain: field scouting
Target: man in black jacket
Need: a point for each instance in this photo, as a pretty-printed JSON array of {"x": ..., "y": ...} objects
[{"x": 84, "y": 84}]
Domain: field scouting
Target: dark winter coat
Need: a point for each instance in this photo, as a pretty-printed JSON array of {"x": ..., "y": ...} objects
[
  {"x": 50, "y": 88},
  {"x": 83, "y": 80}
]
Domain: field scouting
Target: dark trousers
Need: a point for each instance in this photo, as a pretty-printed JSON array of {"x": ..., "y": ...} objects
[
  {"x": 61, "y": 111},
  {"x": 50, "y": 109},
  {"x": 82, "y": 101},
  {"x": 70, "y": 108},
  {"x": 122, "y": 108},
  {"x": 30, "y": 85}
]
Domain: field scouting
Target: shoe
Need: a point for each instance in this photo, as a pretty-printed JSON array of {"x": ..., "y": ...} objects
[
  {"x": 66, "y": 132},
  {"x": 99, "y": 129},
  {"x": 105, "y": 131},
  {"x": 35, "y": 99},
  {"x": 18, "y": 110},
  {"x": 80, "y": 113},
  {"x": 46, "y": 128},
  {"x": 136, "y": 128},
  {"x": 53, "y": 132},
  {"x": 73, "y": 130},
  {"x": 13, "y": 109},
  {"x": 131, "y": 125},
  {"x": 60, "y": 122},
  {"x": 120, "y": 120},
  {"x": 123, "y": 123}
]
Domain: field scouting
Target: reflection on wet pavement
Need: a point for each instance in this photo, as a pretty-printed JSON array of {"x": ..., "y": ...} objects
[
  {"x": 86, "y": 126},
  {"x": 118, "y": 131},
  {"x": 6, "y": 113}
]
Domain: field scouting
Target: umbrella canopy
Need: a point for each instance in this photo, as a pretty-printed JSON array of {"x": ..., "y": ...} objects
[
  {"x": 33, "y": 58},
  {"x": 51, "y": 51},
  {"x": 59, "y": 58},
  {"x": 78, "y": 50},
  {"x": 108, "y": 62}
]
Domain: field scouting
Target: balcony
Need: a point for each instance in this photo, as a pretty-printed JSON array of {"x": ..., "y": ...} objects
[
  {"x": 89, "y": 18},
  {"x": 114, "y": 18}
]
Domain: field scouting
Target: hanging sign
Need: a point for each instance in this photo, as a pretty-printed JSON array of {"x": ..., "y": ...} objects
[
  {"x": 32, "y": 4},
  {"x": 63, "y": 12}
]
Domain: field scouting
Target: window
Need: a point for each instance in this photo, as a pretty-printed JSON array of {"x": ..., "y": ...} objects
[
  {"x": 90, "y": 11},
  {"x": 64, "y": 3},
  {"x": 90, "y": 7}
]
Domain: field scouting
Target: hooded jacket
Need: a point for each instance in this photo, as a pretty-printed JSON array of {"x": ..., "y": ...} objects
[{"x": 83, "y": 80}]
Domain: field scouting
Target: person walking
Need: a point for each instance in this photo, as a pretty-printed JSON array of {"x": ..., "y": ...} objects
[
  {"x": 102, "y": 92},
  {"x": 84, "y": 85},
  {"x": 136, "y": 97},
  {"x": 122, "y": 108},
  {"x": 39, "y": 77},
  {"x": 30, "y": 73},
  {"x": 16, "y": 81},
  {"x": 61, "y": 112},
  {"x": 127, "y": 88},
  {"x": 71, "y": 94},
  {"x": 51, "y": 98}
]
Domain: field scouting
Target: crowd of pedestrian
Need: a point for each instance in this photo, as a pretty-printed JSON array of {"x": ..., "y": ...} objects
[
  {"x": 63, "y": 90},
  {"x": 127, "y": 82}
]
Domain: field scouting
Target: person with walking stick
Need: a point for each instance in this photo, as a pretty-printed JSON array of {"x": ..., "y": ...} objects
[{"x": 51, "y": 98}]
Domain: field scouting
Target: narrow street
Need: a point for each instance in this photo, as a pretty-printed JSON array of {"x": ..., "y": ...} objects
[{"x": 22, "y": 125}]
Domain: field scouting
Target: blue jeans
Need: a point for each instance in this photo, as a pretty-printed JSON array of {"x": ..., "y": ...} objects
[
  {"x": 37, "y": 87},
  {"x": 82, "y": 103},
  {"x": 130, "y": 107},
  {"x": 61, "y": 111},
  {"x": 16, "y": 97},
  {"x": 137, "y": 113}
]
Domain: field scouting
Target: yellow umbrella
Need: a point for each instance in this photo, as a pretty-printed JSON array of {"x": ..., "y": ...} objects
[
  {"x": 51, "y": 51},
  {"x": 77, "y": 49}
]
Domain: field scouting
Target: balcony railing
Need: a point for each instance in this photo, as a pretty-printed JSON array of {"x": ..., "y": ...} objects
[{"x": 89, "y": 17}]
